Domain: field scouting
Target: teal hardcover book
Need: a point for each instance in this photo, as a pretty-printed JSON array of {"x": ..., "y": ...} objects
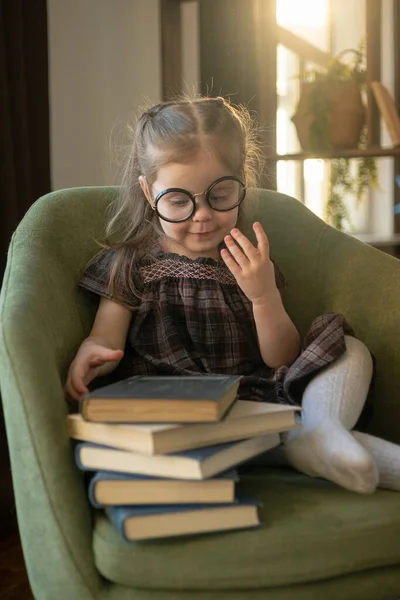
[
  {"x": 162, "y": 399},
  {"x": 155, "y": 522}
]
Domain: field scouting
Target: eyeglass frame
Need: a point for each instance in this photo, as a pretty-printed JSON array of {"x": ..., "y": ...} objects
[{"x": 193, "y": 198}]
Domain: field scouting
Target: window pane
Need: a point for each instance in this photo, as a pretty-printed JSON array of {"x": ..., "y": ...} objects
[
  {"x": 316, "y": 180},
  {"x": 309, "y": 19},
  {"x": 288, "y": 67},
  {"x": 288, "y": 177}
]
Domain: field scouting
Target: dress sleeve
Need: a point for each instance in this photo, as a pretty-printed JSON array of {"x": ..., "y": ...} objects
[{"x": 96, "y": 277}]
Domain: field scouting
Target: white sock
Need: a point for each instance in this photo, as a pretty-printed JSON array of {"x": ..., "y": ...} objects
[
  {"x": 387, "y": 457},
  {"x": 332, "y": 403}
]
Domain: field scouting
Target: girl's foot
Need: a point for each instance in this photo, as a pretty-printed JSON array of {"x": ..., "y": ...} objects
[{"x": 386, "y": 456}]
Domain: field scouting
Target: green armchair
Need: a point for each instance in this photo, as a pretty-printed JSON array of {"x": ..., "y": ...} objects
[{"x": 319, "y": 541}]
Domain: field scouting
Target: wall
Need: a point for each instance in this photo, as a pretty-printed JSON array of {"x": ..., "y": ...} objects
[
  {"x": 104, "y": 61},
  {"x": 190, "y": 45}
]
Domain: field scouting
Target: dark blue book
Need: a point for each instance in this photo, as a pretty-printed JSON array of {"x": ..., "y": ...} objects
[
  {"x": 108, "y": 489},
  {"x": 162, "y": 399},
  {"x": 154, "y": 522},
  {"x": 201, "y": 463}
]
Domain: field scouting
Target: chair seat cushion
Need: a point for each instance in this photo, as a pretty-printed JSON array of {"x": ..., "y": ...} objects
[{"x": 313, "y": 530}]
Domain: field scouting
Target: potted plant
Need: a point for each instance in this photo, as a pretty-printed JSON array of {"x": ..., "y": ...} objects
[{"x": 330, "y": 117}]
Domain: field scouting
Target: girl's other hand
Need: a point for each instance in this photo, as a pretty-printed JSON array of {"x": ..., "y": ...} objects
[
  {"x": 251, "y": 267},
  {"x": 87, "y": 365}
]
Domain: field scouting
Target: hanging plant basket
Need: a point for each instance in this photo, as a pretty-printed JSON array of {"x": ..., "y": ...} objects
[
  {"x": 330, "y": 117},
  {"x": 341, "y": 124},
  {"x": 330, "y": 114}
]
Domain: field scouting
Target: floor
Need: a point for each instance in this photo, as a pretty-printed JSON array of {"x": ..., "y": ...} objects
[{"x": 14, "y": 583}]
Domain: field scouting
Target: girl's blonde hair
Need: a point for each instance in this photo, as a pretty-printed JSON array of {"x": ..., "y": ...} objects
[{"x": 169, "y": 132}]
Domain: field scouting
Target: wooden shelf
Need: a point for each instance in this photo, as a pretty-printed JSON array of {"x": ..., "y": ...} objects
[
  {"x": 389, "y": 244},
  {"x": 349, "y": 153}
]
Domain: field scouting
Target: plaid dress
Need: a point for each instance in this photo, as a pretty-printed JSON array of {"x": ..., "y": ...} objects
[{"x": 192, "y": 318}]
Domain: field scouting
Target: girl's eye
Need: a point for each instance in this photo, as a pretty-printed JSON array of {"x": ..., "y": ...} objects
[
  {"x": 218, "y": 198},
  {"x": 222, "y": 198},
  {"x": 225, "y": 195},
  {"x": 178, "y": 200}
]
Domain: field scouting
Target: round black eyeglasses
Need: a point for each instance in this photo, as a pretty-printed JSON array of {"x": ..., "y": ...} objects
[{"x": 176, "y": 204}]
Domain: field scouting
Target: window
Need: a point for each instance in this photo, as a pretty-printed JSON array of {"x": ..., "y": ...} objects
[{"x": 332, "y": 26}]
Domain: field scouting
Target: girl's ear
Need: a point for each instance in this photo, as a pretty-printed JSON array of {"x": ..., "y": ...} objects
[{"x": 145, "y": 188}]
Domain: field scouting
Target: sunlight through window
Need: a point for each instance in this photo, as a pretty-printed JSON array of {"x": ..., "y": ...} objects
[
  {"x": 310, "y": 14},
  {"x": 308, "y": 19}
]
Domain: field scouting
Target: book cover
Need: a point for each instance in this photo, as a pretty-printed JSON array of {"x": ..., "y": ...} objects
[
  {"x": 245, "y": 419},
  {"x": 191, "y": 464},
  {"x": 388, "y": 110},
  {"x": 108, "y": 488},
  {"x": 156, "y": 522},
  {"x": 152, "y": 399}
]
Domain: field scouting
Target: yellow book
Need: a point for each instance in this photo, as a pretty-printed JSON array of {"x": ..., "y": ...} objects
[{"x": 245, "y": 419}]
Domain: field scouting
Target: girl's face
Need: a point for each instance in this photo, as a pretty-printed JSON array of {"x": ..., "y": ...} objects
[{"x": 204, "y": 231}]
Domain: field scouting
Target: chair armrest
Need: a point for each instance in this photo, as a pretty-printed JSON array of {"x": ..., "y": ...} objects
[
  {"x": 329, "y": 271},
  {"x": 363, "y": 283},
  {"x": 53, "y": 513}
]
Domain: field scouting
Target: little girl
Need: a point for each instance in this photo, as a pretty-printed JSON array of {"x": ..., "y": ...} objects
[{"x": 186, "y": 287}]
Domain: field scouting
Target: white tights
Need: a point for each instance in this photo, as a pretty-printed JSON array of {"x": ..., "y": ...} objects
[{"x": 325, "y": 446}]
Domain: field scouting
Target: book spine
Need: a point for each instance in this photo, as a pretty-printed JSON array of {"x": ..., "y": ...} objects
[
  {"x": 78, "y": 459},
  {"x": 388, "y": 111},
  {"x": 82, "y": 408},
  {"x": 92, "y": 494},
  {"x": 118, "y": 520}
]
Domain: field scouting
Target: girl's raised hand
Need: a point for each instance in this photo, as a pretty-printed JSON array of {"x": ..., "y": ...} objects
[{"x": 251, "y": 267}]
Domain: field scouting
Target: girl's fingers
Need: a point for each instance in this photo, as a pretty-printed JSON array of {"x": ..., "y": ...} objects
[
  {"x": 244, "y": 243},
  {"x": 98, "y": 361},
  {"x": 117, "y": 354},
  {"x": 82, "y": 390},
  {"x": 77, "y": 378},
  {"x": 230, "y": 263},
  {"x": 70, "y": 392},
  {"x": 102, "y": 357},
  {"x": 262, "y": 240},
  {"x": 236, "y": 252},
  {"x": 77, "y": 385}
]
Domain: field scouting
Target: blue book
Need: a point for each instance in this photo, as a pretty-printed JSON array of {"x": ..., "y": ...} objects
[
  {"x": 201, "y": 463},
  {"x": 154, "y": 522},
  {"x": 108, "y": 489}
]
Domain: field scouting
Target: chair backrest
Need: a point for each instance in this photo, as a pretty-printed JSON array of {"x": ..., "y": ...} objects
[{"x": 325, "y": 271}]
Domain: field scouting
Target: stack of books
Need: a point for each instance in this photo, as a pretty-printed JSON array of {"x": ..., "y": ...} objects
[{"x": 164, "y": 450}]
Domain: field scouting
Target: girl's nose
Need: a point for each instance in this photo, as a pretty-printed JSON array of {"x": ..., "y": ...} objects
[{"x": 203, "y": 211}]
